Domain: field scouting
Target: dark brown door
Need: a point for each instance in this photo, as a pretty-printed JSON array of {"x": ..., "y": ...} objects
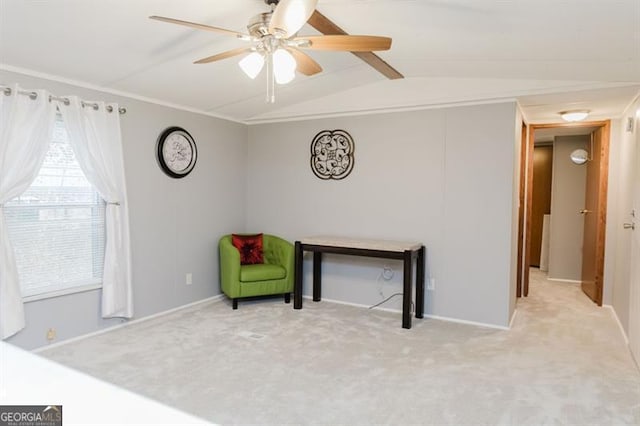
[
  {"x": 541, "y": 204},
  {"x": 594, "y": 214}
]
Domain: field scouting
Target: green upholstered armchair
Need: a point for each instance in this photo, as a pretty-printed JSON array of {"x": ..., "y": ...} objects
[{"x": 274, "y": 276}]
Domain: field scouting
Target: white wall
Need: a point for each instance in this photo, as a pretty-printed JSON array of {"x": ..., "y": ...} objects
[
  {"x": 614, "y": 197},
  {"x": 444, "y": 177},
  {"x": 514, "y": 212},
  {"x": 175, "y": 223},
  {"x": 634, "y": 260},
  {"x": 567, "y": 199},
  {"x": 626, "y": 164}
]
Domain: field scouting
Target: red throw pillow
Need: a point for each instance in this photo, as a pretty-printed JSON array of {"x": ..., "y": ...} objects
[{"x": 250, "y": 248}]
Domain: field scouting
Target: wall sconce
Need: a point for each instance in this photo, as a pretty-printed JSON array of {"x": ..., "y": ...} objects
[{"x": 579, "y": 156}]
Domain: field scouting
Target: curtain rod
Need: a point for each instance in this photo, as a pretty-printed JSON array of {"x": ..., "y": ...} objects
[{"x": 33, "y": 95}]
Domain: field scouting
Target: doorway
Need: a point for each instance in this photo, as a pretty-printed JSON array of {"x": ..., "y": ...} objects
[
  {"x": 592, "y": 197},
  {"x": 542, "y": 189}
]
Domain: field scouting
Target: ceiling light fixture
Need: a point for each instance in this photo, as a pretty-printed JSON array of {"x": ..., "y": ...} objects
[
  {"x": 284, "y": 66},
  {"x": 576, "y": 115},
  {"x": 252, "y": 64},
  {"x": 281, "y": 65},
  {"x": 272, "y": 30}
]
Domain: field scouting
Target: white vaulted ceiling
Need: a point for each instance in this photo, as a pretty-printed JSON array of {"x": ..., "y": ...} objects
[{"x": 549, "y": 54}]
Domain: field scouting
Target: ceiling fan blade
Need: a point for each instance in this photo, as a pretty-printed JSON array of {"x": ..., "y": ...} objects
[
  {"x": 305, "y": 63},
  {"x": 379, "y": 64},
  {"x": 290, "y": 15},
  {"x": 326, "y": 26},
  {"x": 223, "y": 55},
  {"x": 199, "y": 26},
  {"x": 350, "y": 43}
]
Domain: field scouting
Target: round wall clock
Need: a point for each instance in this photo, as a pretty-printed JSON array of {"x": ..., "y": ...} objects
[{"x": 177, "y": 152}]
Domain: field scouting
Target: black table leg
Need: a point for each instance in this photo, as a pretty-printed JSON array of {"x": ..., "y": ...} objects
[
  {"x": 297, "y": 286},
  {"x": 317, "y": 276},
  {"x": 406, "y": 298},
  {"x": 420, "y": 283}
]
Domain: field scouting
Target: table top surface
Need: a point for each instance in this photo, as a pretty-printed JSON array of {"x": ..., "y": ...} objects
[{"x": 361, "y": 243}]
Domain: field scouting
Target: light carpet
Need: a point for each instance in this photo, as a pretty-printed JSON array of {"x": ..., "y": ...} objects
[{"x": 564, "y": 362}]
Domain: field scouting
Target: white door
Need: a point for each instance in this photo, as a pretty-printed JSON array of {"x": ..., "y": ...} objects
[{"x": 634, "y": 290}]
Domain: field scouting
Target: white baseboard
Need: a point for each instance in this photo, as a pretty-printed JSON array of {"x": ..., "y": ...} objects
[
  {"x": 513, "y": 318},
  {"x": 559, "y": 280},
  {"x": 398, "y": 311},
  {"x": 615, "y": 316},
  {"x": 220, "y": 296},
  {"x": 127, "y": 323},
  {"x": 467, "y": 322}
]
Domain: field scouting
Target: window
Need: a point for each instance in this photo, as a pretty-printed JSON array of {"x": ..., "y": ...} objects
[{"x": 56, "y": 227}]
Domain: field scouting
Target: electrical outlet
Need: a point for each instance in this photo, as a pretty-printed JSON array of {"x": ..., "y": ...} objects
[
  {"x": 51, "y": 334},
  {"x": 431, "y": 284},
  {"x": 189, "y": 279}
]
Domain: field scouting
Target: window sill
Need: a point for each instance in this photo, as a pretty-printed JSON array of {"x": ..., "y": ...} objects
[{"x": 63, "y": 292}]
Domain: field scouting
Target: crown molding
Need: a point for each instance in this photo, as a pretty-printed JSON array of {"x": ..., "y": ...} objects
[
  {"x": 374, "y": 111},
  {"x": 85, "y": 85}
]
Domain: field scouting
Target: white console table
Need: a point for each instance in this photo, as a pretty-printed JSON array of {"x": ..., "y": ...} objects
[{"x": 402, "y": 250}]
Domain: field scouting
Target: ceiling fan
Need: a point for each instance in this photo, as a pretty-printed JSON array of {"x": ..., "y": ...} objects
[{"x": 275, "y": 43}]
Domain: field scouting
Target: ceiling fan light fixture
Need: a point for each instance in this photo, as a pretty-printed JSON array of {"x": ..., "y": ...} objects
[
  {"x": 285, "y": 78},
  {"x": 574, "y": 116},
  {"x": 284, "y": 66},
  {"x": 252, "y": 64}
]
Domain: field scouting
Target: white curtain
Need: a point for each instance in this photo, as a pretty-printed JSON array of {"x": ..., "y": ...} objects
[
  {"x": 94, "y": 134},
  {"x": 26, "y": 127}
]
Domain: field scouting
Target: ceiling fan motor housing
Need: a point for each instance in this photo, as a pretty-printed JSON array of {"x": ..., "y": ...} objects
[{"x": 259, "y": 24}]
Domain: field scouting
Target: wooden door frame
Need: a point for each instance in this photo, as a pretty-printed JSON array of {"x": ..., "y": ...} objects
[
  {"x": 521, "y": 211},
  {"x": 527, "y": 193}
]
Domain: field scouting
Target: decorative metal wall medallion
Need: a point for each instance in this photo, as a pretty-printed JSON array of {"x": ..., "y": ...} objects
[{"x": 332, "y": 154}]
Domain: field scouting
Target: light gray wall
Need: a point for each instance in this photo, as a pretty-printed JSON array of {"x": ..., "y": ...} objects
[
  {"x": 175, "y": 223},
  {"x": 444, "y": 177},
  {"x": 441, "y": 176},
  {"x": 567, "y": 199}
]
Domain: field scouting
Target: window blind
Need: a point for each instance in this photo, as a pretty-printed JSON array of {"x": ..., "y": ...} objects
[{"x": 57, "y": 226}]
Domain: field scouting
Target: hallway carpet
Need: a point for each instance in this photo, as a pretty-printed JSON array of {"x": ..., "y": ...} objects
[{"x": 564, "y": 362}]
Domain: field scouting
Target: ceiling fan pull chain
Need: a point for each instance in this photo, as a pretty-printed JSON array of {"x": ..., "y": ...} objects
[{"x": 271, "y": 80}]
